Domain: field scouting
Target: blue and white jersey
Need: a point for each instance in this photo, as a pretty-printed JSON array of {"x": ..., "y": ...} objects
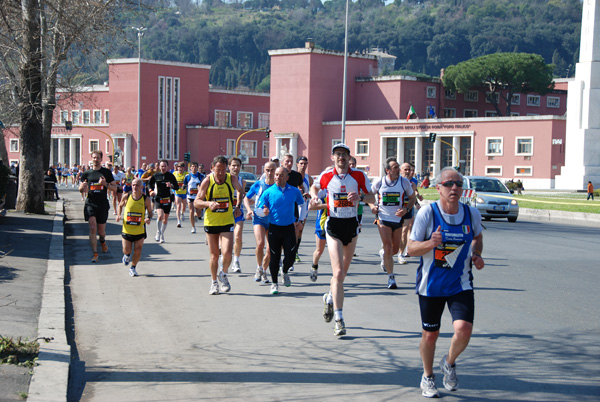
[
  {"x": 192, "y": 182},
  {"x": 256, "y": 191},
  {"x": 446, "y": 270},
  {"x": 303, "y": 208},
  {"x": 390, "y": 196}
]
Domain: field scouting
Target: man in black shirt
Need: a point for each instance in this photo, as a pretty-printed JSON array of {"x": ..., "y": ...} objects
[
  {"x": 95, "y": 182},
  {"x": 160, "y": 186}
]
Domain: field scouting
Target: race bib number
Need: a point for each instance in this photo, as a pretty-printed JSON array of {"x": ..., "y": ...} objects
[
  {"x": 223, "y": 204},
  {"x": 96, "y": 187},
  {"x": 193, "y": 191},
  {"x": 390, "y": 199},
  {"x": 134, "y": 218},
  {"x": 164, "y": 201},
  {"x": 445, "y": 254},
  {"x": 340, "y": 200}
]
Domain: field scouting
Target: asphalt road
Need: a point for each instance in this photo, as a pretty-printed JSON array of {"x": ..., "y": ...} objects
[{"x": 161, "y": 337}]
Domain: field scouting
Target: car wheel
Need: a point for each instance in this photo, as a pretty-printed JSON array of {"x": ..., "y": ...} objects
[{"x": 512, "y": 219}]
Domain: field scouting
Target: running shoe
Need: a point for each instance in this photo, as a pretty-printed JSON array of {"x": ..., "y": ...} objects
[
  {"x": 95, "y": 257},
  {"x": 236, "y": 267},
  {"x": 178, "y": 224},
  {"x": 286, "y": 280},
  {"x": 162, "y": 238},
  {"x": 401, "y": 259},
  {"x": 157, "y": 237},
  {"x": 104, "y": 247},
  {"x": 264, "y": 279},
  {"x": 314, "y": 273},
  {"x": 450, "y": 380},
  {"x": 126, "y": 259},
  {"x": 298, "y": 258},
  {"x": 258, "y": 274},
  {"x": 214, "y": 289},
  {"x": 132, "y": 271},
  {"x": 429, "y": 390},
  {"x": 225, "y": 286},
  {"x": 274, "y": 289},
  {"x": 392, "y": 283},
  {"x": 193, "y": 230},
  {"x": 291, "y": 269},
  {"x": 381, "y": 252},
  {"x": 328, "y": 309},
  {"x": 340, "y": 328}
]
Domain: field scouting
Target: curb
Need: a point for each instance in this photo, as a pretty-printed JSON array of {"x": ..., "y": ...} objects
[
  {"x": 50, "y": 378},
  {"x": 551, "y": 215}
]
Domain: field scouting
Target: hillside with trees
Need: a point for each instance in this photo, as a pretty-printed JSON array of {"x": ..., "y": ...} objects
[{"x": 424, "y": 35}]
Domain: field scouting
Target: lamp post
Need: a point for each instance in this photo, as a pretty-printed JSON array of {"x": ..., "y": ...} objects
[
  {"x": 140, "y": 33},
  {"x": 345, "y": 74}
]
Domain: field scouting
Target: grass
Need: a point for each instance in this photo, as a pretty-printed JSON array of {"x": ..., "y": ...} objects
[
  {"x": 20, "y": 352},
  {"x": 571, "y": 202}
]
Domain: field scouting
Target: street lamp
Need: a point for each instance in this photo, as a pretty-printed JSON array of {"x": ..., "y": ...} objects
[{"x": 140, "y": 33}]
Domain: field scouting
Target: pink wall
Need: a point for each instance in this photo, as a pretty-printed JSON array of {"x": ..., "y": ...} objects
[{"x": 237, "y": 102}]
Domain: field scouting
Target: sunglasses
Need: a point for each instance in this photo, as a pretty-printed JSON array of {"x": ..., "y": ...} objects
[{"x": 450, "y": 183}]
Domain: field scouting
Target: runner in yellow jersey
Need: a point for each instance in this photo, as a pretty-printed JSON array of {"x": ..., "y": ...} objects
[
  {"x": 216, "y": 195},
  {"x": 133, "y": 208},
  {"x": 181, "y": 194}
]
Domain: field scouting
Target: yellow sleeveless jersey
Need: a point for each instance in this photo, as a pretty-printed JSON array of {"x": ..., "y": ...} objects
[
  {"x": 223, "y": 194},
  {"x": 134, "y": 214},
  {"x": 180, "y": 177}
]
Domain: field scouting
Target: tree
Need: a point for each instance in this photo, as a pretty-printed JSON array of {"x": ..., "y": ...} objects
[
  {"x": 36, "y": 38},
  {"x": 502, "y": 75}
]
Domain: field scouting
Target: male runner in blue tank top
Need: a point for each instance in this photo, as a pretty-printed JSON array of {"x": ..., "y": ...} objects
[{"x": 447, "y": 236}]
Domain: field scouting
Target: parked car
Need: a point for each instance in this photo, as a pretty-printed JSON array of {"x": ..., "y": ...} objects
[
  {"x": 492, "y": 198},
  {"x": 250, "y": 179}
]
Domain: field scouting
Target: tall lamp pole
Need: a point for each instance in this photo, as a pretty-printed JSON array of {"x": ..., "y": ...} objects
[
  {"x": 140, "y": 33},
  {"x": 345, "y": 75}
]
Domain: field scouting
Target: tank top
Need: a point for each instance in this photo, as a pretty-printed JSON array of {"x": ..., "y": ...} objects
[
  {"x": 223, "y": 195},
  {"x": 134, "y": 215}
]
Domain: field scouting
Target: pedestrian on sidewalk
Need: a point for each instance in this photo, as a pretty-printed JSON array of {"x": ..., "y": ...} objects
[
  {"x": 136, "y": 209},
  {"x": 590, "y": 190}
]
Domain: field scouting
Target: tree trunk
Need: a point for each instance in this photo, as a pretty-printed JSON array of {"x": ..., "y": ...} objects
[{"x": 31, "y": 173}]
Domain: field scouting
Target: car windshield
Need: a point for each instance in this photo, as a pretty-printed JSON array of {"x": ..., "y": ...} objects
[{"x": 488, "y": 186}]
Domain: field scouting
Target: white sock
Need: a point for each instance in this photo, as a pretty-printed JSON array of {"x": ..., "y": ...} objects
[
  {"x": 338, "y": 315},
  {"x": 236, "y": 258},
  {"x": 159, "y": 227},
  {"x": 164, "y": 228},
  {"x": 329, "y": 298}
]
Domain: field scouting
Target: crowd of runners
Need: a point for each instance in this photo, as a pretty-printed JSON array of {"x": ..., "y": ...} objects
[{"x": 446, "y": 234}]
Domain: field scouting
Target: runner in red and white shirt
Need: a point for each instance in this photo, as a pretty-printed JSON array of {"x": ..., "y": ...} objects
[{"x": 343, "y": 186}]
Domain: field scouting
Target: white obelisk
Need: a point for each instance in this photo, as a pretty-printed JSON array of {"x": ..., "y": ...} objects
[{"x": 582, "y": 145}]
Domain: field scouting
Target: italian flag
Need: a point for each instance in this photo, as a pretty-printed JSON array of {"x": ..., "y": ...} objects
[{"x": 411, "y": 113}]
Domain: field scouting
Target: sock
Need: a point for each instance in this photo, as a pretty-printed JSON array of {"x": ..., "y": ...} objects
[
  {"x": 164, "y": 228},
  {"x": 338, "y": 315},
  {"x": 391, "y": 275},
  {"x": 329, "y": 298},
  {"x": 133, "y": 266},
  {"x": 159, "y": 226},
  {"x": 236, "y": 258},
  {"x": 315, "y": 266}
]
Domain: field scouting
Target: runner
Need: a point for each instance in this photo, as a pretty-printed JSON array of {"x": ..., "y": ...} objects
[
  {"x": 192, "y": 183},
  {"x": 129, "y": 176},
  {"x": 118, "y": 194},
  {"x": 216, "y": 195},
  {"x": 181, "y": 194},
  {"x": 235, "y": 165},
  {"x": 407, "y": 170},
  {"x": 343, "y": 186},
  {"x": 307, "y": 181},
  {"x": 160, "y": 186},
  {"x": 390, "y": 191},
  {"x": 279, "y": 203},
  {"x": 96, "y": 182},
  {"x": 447, "y": 235},
  {"x": 137, "y": 208},
  {"x": 261, "y": 222},
  {"x": 320, "y": 238}
]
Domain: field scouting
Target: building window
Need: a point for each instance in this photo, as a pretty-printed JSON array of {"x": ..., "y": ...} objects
[
  {"x": 265, "y": 149},
  {"x": 222, "y": 118},
  {"x": 470, "y": 113},
  {"x": 515, "y": 113},
  {"x": 523, "y": 171},
  {"x": 263, "y": 120},
  {"x": 491, "y": 113},
  {"x": 449, "y": 112},
  {"x": 64, "y": 116},
  {"x": 86, "y": 117},
  {"x": 362, "y": 147},
  {"x": 494, "y": 147},
  {"x": 524, "y": 146},
  {"x": 97, "y": 117},
  {"x": 248, "y": 148},
  {"x": 75, "y": 116},
  {"x": 231, "y": 148},
  {"x": 493, "y": 170},
  {"x": 471, "y": 96},
  {"x": 94, "y": 145},
  {"x": 533, "y": 100},
  {"x": 553, "y": 102},
  {"x": 14, "y": 145},
  {"x": 391, "y": 147},
  {"x": 449, "y": 94},
  {"x": 244, "y": 119},
  {"x": 106, "y": 115},
  {"x": 168, "y": 117},
  {"x": 431, "y": 92},
  {"x": 492, "y": 95},
  {"x": 335, "y": 142},
  {"x": 516, "y": 99}
]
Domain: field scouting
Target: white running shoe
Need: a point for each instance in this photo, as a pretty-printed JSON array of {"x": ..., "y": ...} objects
[
  {"x": 225, "y": 286},
  {"x": 193, "y": 230},
  {"x": 286, "y": 280},
  {"x": 214, "y": 289},
  {"x": 450, "y": 380},
  {"x": 381, "y": 253},
  {"x": 314, "y": 273},
  {"x": 291, "y": 269},
  {"x": 401, "y": 259},
  {"x": 428, "y": 387},
  {"x": 133, "y": 272},
  {"x": 328, "y": 309},
  {"x": 265, "y": 279},
  {"x": 236, "y": 267},
  {"x": 162, "y": 238},
  {"x": 157, "y": 237},
  {"x": 340, "y": 328},
  {"x": 126, "y": 259},
  {"x": 274, "y": 289},
  {"x": 258, "y": 274}
]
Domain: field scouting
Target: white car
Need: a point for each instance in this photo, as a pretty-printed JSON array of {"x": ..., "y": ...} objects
[{"x": 491, "y": 198}]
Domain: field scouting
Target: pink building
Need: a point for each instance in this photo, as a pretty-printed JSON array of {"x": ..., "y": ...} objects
[{"x": 306, "y": 109}]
